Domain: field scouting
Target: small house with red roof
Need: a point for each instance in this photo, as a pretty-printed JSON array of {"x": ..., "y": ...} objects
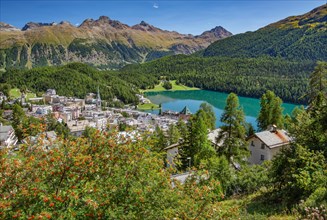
[{"x": 265, "y": 145}]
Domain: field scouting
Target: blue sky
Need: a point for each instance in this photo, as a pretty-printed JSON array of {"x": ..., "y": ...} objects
[{"x": 188, "y": 17}]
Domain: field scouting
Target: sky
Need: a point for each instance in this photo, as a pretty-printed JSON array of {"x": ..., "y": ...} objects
[{"x": 187, "y": 17}]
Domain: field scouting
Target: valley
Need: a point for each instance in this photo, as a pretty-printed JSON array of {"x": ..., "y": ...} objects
[{"x": 104, "y": 119}]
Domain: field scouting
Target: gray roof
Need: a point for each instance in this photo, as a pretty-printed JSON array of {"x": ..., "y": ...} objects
[
  {"x": 274, "y": 138},
  {"x": 4, "y": 132},
  {"x": 172, "y": 146},
  {"x": 181, "y": 177},
  {"x": 186, "y": 111}
]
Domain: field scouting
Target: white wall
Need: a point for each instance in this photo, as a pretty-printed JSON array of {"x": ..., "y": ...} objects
[{"x": 256, "y": 151}]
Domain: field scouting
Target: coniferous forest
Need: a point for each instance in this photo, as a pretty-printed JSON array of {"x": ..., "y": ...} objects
[{"x": 247, "y": 77}]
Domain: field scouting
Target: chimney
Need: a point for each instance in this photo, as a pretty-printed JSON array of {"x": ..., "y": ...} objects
[{"x": 274, "y": 128}]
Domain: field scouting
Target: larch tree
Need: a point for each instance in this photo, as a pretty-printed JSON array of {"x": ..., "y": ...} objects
[
  {"x": 233, "y": 132},
  {"x": 196, "y": 147},
  {"x": 173, "y": 134},
  {"x": 210, "y": 117},
  {"x": 271, "y": 111},
  {"x": 318, "y": 81}
]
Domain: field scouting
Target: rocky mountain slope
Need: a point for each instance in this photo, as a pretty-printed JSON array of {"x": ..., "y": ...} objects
[
  {"x": 103, "y": 43},
  {"x": 301, "y": 37}
]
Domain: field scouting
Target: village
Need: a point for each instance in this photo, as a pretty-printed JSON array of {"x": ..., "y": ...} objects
[{"x": 80, "y": 114}]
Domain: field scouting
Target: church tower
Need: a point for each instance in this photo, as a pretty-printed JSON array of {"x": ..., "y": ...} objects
[{"x": 98, "y": 100}]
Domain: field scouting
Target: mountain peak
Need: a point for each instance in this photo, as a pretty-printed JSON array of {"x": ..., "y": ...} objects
[
  {"x": 65, "y": 23},
  {"x": 143, "y": 26},
  {"x": 87, "y": 22},
  {"x": 103, "y": 21},
  {"x": 33, "y": 25},
  {"x": 104, "y": 18},
  {"x": 218, "y": 32},
  {"x": 143, "y": 23},
  {"x": 7, "y": 27}
]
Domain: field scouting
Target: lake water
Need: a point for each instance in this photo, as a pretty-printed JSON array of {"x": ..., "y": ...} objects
[{"x": 177, "y": 100}]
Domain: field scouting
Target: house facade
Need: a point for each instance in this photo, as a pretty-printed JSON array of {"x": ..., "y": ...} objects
[
  {"x": 266, "y": 144},
  {"x": 172, "y": 153}
]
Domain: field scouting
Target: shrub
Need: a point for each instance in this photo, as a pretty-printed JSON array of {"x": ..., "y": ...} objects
[{"x": 167, "y": 85}]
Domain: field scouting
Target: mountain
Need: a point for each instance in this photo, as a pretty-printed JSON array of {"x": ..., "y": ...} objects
[
  {"x": 7, "y": 27},
  {"x": 104, "y": 43},
  {"x": 301, "y": 37}
]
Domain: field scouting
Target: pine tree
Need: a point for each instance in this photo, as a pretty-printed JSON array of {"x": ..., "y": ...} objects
[
  {"x": 196, "y": 145},
  {"x": 249, "y": 129},
  {"x": 18, "y": 117},
  {"x": 233, "y": 132},
  {"x": 182, "y": 129},
  {"x": 160, "y": 140},
  {"x": 210, "y": 117},
  {"x": 271, "y": 111},
  {"x": 173, "y": 134},
  {"x": 318, "y": 81}
]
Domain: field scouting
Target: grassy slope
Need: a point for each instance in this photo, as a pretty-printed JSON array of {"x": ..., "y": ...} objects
[
  {"x": 15, "y": 93},
  {"x": 147, "y": 106},
  {"x": 159, "y": 88},
  {"x": 251, "y": 207}
]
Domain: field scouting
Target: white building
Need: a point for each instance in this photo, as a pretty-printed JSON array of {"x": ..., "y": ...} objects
[
  {"x": 266, "y": 144},
  {"x": 77, "y": 128},
  {"x": 7, "y": 136},
  {"x": 172, "y": 153},
  {"x": 41, "y": 109}
]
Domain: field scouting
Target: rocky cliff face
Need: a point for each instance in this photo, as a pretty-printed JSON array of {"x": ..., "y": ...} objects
[{"x": 104, "y": 43}]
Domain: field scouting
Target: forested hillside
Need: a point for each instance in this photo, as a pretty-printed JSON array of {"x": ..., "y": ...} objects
[
  {"x": 301, "y": 37},
  {"x": 244, "y": 76},
  {"x": 73, "y": 79}
]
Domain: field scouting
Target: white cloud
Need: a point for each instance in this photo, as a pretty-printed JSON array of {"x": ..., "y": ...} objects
[
  {"x": 155, "y": 5},
  {"x": 76, "y": 24}
]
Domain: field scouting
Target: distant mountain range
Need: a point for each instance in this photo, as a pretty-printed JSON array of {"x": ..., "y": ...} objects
[
  {"x": 104, "y": 43},
  {"x": 301, "y": 37}
]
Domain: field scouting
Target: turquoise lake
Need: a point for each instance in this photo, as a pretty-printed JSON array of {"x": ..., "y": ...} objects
[{"x": 177, "y": 100}]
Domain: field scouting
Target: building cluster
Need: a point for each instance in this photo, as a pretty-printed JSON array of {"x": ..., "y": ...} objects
[{"x": 79, "y": 114}]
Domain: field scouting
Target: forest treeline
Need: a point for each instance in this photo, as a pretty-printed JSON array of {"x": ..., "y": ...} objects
[
  {"x": 305, "y": 43},
  {"x": 250, "y": 77},
  {"x": 73, "y": 79},
  {"x": 243, "y": 76}
]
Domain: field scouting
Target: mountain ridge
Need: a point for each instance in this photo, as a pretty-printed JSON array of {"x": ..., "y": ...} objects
[
  {"x": 102, "y": 42},
  {"x": 302, "y": 37}
]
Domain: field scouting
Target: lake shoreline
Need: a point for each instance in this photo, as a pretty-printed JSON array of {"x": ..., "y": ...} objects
[{"x": 177, "y": 100}]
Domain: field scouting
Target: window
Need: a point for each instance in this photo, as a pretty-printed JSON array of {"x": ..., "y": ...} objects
[
  {"x": 252, "y": 143},
  {"x": 263, "y": 146},
  {"x": 262, "y": 157}
]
